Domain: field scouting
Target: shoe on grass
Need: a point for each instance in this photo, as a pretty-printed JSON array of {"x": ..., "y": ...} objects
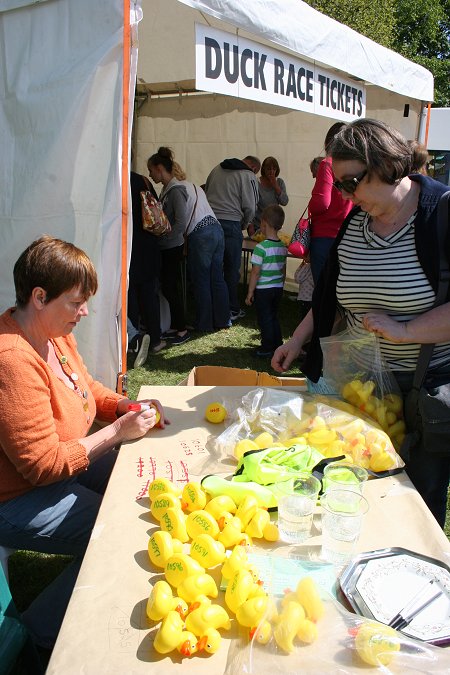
[
  {"x": 180, "y": 339},
  {"x": 157, "y": 348},
  {"x": 234, "y": 316},
  {"x": 138, "y": 347}
]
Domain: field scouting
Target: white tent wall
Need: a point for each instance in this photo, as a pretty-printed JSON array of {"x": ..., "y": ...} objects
[{"x": 61, "y": 137}]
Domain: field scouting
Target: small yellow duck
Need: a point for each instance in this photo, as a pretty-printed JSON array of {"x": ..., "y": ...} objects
[
  {"x": 161, "y": 601},
  {"x": 169, "y": 634},
  {"x": 204, "y": 615},
  {"x": 210, "y": 641},
  {"x": 161, "y": 546},
  {"x": 195, "y": 585}
]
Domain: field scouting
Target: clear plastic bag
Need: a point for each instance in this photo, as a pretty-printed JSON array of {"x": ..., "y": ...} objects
[
  {"x": 336, "y": 642},
  {"x": 271, "y": 418},
  {"x": 355, "y": 371}
]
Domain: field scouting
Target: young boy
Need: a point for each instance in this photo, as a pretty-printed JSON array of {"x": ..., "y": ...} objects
[{"x": 266, "y": 282}]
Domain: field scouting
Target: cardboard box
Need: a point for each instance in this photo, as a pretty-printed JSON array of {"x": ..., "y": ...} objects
[{"x": 219, "y": 376}]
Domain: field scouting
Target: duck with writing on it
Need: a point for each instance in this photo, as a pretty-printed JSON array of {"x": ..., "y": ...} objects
[
  {"x": 238, "y": 559},
  {"x": 203, "y": 614},
  {"x": 161, "y": 601}
]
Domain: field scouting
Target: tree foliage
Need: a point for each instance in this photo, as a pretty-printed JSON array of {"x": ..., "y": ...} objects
[{"x": 420, "y": 31}]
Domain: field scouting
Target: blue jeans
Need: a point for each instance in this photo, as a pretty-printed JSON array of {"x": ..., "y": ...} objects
[
  {"x": 318, "y": 253},
  {"x": 232, "y": 259},
  {"x": 205, "y": 250},
  {"x": 56, "y": 518},
  {"x": 267, "y": 301}
]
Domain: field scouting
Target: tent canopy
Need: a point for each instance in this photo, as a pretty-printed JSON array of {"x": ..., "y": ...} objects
[{"x": 296, "y": 26}]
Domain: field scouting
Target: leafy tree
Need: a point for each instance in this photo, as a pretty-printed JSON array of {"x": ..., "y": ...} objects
[{"x": 420, "y": 31}]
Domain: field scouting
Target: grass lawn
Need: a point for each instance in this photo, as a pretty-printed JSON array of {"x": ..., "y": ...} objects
[{"x": 30, "y": 572}]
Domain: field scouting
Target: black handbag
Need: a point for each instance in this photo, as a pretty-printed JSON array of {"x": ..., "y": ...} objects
[{"x": 427, "y": 409}]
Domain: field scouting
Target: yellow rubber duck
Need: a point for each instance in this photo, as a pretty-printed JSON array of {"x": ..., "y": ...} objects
[
  {"x": 238, "y": 559},
  {"x": 238, "y": 589},
  {"x": 193, "y": 497},
  {"x": 161, "y": 546},
  {"x": 207, "y": 551},
  {"x": 219, "y": 505},
  {"x": 173, "y": 521},
  {"x": 179, "y": 567},
  {"x": 231, "y": 534},
  {"x": 162, "y": 600},
  {"x": 204, "y": 615},
  {"x": 160, "y": 485},
  {"x": 210, "y": 641},
  {"x": 261, "y": 633},
  {"x": 257, "y": 524},
  {"x": 162, "y": 502},
  {"x": 288, "y": 625},
  {"x": 201, "y": 522},
  {"x": 169, "y": 634},
  {"x": 251, "y": 612},
  {"x": 188, "y": 644},
  {"x": 195, "y": 585},
  {"x": 247, "y": 509}
]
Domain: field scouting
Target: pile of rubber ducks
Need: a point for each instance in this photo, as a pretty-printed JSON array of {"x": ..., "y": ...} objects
[
  {"x": 285, "y": 238},
  {"x": 199, "y": 534}
]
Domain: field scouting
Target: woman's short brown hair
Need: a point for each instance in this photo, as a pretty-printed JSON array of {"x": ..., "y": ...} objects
[
  {"x": 56, "y": 266},
  {"x": 382, "y": 149},
  {"x": 270, "y": 162}
]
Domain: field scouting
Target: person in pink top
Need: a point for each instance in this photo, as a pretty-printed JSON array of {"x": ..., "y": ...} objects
[{"x": 327, "y": 209}]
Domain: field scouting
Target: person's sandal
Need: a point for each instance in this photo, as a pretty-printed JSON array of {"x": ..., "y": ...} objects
[{"x": 157, "y": 348}]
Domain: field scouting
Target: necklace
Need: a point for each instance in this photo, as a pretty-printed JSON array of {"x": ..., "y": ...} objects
[
  {"x": 73, "y": 377},
  {"x": 375, "y": 240}
]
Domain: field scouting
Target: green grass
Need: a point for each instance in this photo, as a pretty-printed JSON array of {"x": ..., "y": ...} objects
[{"x": 30, "y": 572}]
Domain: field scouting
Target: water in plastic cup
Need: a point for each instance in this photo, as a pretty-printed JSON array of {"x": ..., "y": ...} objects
[
  {"x": 342, "y": 517},
  {"x": 344, "y": 475},
  {"x": 296, "y": 508}
]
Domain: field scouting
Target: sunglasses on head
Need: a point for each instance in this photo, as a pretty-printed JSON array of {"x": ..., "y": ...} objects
[{"x": 349, "y": 185}]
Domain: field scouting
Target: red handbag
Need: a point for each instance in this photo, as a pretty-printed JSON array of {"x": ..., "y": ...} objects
[{"x": 301, "y": 237}]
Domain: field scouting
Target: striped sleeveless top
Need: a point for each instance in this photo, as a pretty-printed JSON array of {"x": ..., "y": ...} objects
[{"x": 385, "y": 275}]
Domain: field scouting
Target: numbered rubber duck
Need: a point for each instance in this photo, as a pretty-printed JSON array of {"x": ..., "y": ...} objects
[
  {"x": 162, "y": 502},
  {"x": 207, "y": 551},
  {"x": 173, "y": 521},
  {"x": 238, "y": 559},
  {"x": 160, "y": 485},
  {"x": 238, "y": 589},
  {"x": 161, "y": 546},
  {"x": 193, "y": 498},
  {"x": 179, "y": 567}
]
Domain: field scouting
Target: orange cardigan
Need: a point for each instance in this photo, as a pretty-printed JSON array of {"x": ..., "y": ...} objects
[{"x": 41, "y": 418}]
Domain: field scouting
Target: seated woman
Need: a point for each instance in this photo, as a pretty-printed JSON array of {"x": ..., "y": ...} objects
[
  {"x": 272, "y": 190},
  {"x": 52, "y": 473},
  {"x": 195, "y": 228}
]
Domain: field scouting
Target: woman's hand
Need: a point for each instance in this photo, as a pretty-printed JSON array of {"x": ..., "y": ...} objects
[
  {"x": 386, "y": 327},
  {"x": 285, "y": 355},
  {"x": 123, "y": 406}
]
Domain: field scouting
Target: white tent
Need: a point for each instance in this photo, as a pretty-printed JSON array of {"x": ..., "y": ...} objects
[{"x": 63, "y": 123}]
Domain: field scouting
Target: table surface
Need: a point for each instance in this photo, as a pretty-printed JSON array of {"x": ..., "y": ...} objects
[{"x": 105, "y": 629}]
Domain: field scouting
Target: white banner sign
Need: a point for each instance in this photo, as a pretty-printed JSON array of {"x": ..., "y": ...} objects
[{"x": 231, "y": 65}]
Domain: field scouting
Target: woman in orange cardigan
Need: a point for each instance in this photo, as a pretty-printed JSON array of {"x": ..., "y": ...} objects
[{"x": 52, "y": 473}]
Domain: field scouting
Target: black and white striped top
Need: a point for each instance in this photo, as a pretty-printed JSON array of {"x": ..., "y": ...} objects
[{"x": 385, "y": 275}]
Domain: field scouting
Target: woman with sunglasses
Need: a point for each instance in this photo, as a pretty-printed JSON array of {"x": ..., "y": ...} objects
[
  {"x": 327, "y": 208},
  {"x": 382, "y": 275}
]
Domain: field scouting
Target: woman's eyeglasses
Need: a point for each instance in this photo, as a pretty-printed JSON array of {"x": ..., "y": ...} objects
[{"x": 349, "y": 185}]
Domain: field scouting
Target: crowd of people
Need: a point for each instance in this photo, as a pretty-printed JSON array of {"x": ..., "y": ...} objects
[{"x": 381, "y": 273}]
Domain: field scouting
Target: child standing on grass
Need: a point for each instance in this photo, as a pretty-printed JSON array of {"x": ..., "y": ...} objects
[{"x": 267, "y": 277}]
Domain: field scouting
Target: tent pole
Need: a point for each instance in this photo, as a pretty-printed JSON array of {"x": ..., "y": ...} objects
[{"x": 122, "y": 376}]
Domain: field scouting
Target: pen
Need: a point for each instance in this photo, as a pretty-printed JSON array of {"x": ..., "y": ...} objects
[
  {"x": 405, "y": 611},
  {"x": 139, "y": 407},
  {"x": 404, "y": 621}
]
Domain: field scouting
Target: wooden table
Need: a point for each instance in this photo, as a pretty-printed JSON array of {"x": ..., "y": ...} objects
[{"x": 105, "y": 630}]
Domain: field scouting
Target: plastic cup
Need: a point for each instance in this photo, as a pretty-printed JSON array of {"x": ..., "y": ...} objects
[
  {"x": 296, "y": 504},
  {"x": 342, "y": 517},
  {"x": 344, "y": 475}
]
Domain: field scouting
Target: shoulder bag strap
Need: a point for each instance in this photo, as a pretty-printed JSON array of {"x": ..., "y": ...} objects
[{"x": 426, "y": 350}]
